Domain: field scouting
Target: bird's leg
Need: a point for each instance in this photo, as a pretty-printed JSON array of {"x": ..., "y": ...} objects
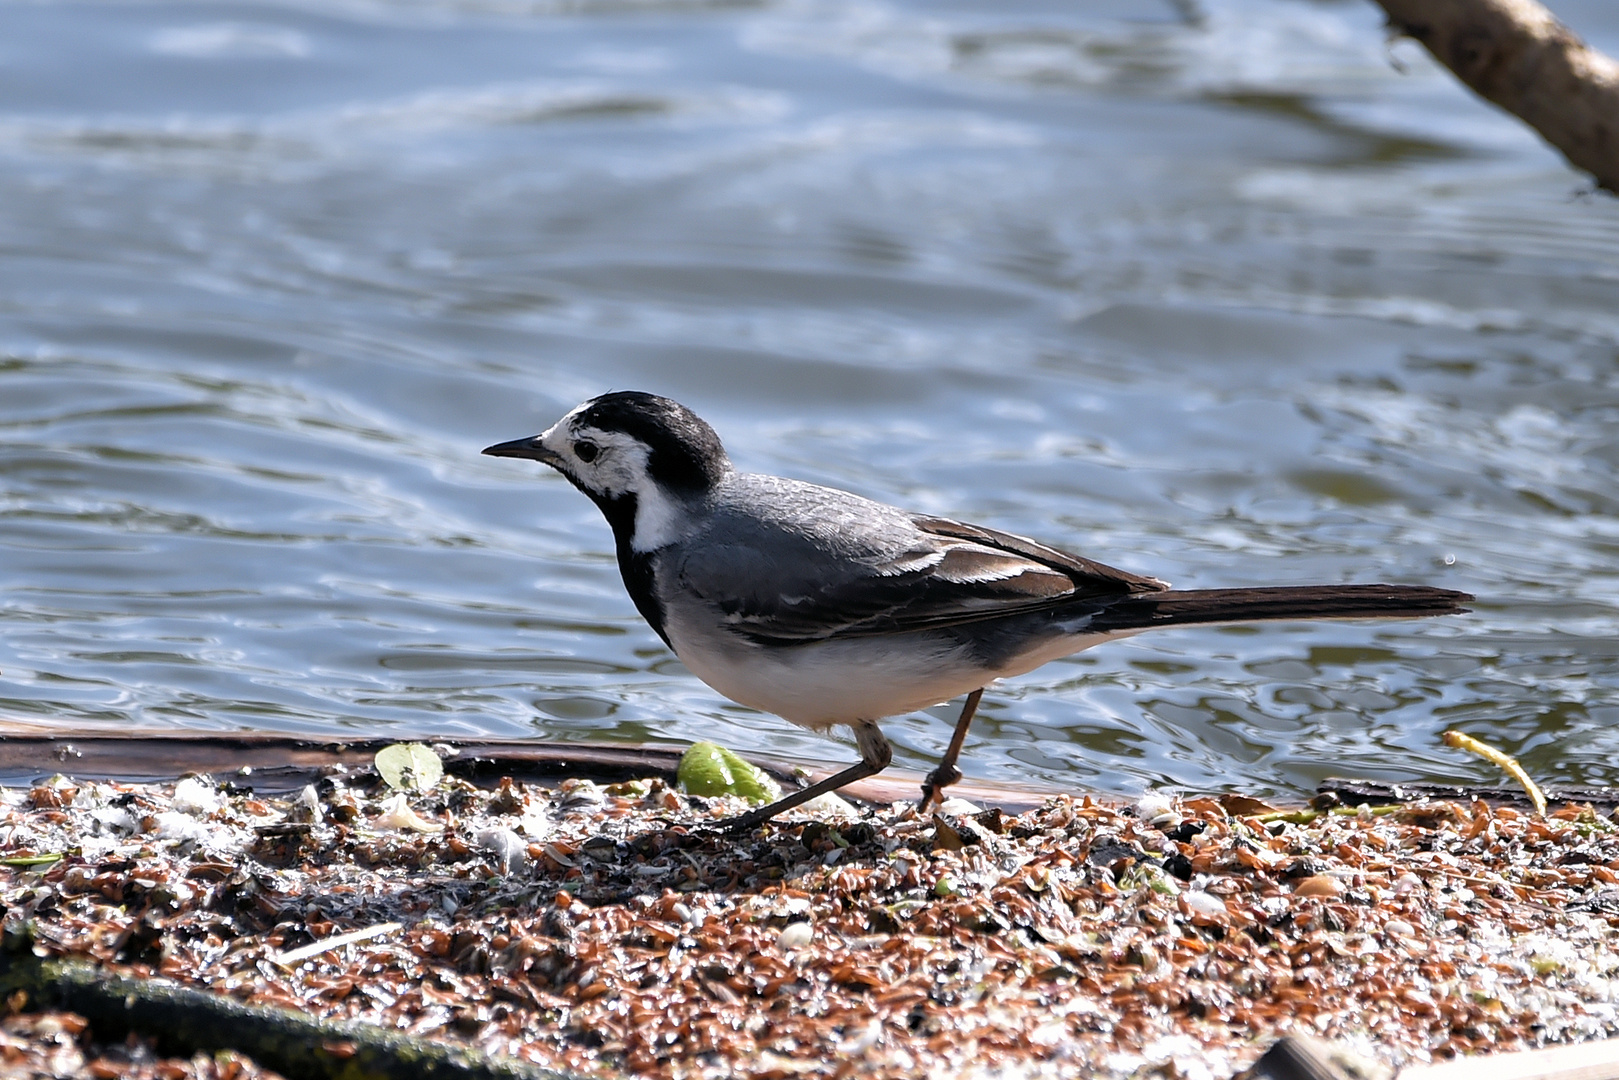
[
  {"x": 947, "y": 773},
  {"x": 875, "y": 754}
]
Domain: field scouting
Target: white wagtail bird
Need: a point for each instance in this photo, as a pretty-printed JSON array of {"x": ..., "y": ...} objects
[{"x": 826, "y": 608}]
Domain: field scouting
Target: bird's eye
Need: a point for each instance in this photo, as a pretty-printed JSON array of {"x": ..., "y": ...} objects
[{"x": 585, "y": 451}]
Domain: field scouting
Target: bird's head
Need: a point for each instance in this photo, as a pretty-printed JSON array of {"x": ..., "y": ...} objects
[{"x": 641, "y": 458}]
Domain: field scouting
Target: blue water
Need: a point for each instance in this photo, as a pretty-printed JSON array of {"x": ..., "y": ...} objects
[{"x": 1226, "y": 292}]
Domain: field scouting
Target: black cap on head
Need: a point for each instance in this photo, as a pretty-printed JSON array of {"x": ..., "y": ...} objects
[{"x": 686, "y": 454}]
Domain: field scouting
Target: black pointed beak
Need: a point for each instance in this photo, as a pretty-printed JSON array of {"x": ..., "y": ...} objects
[{"x": 530, "y": 448}]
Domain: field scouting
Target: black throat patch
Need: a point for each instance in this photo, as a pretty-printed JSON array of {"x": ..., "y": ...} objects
[{"x": 634, "y": 566}]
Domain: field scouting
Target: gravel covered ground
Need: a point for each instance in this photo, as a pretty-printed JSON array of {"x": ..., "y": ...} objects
[{"x": 608, "y": 931}]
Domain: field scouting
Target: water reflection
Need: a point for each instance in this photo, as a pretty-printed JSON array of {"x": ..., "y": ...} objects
[{"x": 1208, "y": 291}]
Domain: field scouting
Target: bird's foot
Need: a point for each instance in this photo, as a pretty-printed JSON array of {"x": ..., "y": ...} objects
[
  {"x": 743, "y": 822},
  {"x": 933, "y": 787}
]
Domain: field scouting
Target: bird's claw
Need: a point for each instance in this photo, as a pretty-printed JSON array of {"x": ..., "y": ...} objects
[{"x": 933, "y": 787}]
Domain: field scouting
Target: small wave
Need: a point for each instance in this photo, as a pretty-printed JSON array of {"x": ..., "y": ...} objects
[
  {"x": 294, "y": 144},
  {"x": 231, "y": 41}
]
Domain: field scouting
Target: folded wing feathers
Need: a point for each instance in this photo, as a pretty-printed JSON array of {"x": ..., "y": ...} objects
[
  {"x": 958, "y": 574},
  {"x": 971, "y": 564},
  {"x": 1087, "y": 576}
]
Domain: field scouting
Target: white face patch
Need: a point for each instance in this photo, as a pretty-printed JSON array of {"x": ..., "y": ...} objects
[{"x": 620, "y": 467}]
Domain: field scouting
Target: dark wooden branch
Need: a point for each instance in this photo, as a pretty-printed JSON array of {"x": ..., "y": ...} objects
[
  {"x": 281, "y": 763},
  {"x": 1516, "y": 54},
  {"x": 184, "y": 1021},
  {"x": 1352, "y": 792}
]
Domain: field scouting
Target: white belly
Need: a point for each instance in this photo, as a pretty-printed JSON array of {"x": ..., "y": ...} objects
[
  {"x": 839, "y": 682},
  {"x": 832, "y": 682}
]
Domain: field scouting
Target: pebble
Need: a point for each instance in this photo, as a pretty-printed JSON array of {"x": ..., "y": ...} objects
[
  {"x": 795, "y": 936},
  {"x": 1205, "y": 905}
]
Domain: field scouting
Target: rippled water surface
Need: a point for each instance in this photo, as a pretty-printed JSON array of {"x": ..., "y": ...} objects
[{"x": 1230, "y": 292}]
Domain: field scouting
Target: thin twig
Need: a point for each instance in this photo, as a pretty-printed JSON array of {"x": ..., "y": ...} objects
[{"x": 1507, "y": 764}]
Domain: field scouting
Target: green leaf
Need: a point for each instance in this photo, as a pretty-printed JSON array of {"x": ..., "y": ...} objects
[
  {"x": 709, "y": 770},
  {"x": 409, "y": 766}
]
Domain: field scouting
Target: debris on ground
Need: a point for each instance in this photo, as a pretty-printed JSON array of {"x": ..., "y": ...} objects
[{"x": 609, "y": 930}]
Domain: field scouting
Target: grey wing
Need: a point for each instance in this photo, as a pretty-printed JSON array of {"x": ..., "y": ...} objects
[{"x": 822, "y": 576}]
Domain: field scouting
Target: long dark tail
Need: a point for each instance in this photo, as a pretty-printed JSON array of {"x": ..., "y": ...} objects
[{"x": 1183, "y": 607}]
